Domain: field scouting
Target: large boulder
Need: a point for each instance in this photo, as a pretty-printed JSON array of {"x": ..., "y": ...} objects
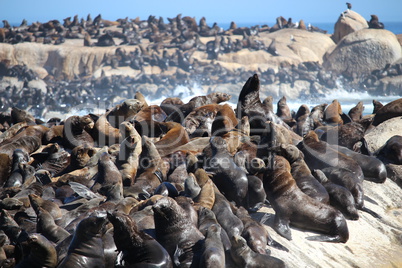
[
  {"x": 378, "y": 136},
  {"x": 363, "y": 51},
  {"x": 348, "y": 22},
  {"x": 286, "y": 46}
]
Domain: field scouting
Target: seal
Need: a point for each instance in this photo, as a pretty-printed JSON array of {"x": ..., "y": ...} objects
[
  {"x": 356, "y": 113},
  {"x": 228, "y": 177},
  {"x": 373, "y": 169},
  {"x": 207, "y": 218},
  {"x": 152, "y": 112},
  {"x": 51, "y": 207},
  {"x": 86, "y": 247},
  {"x": 176, "y": 233},
  {"x": 48, "y": 228},
  {"x": 302, "y": 174},
  {"x": 392, "y": 150},
  {"x": 332, "y": 114},
  {"x": 75, "y": 131},
  {"x": 243, "y": 256},
  {"x": 213, "y": 254},
  {"x": 292, "y": 206},
  {"x": 225, "y": 216},
  {"x": 388, "y": 111},
  {"x": 304, "y": 121},
  {"x": 41, "y": 254},
  {"x": 318, "y": 155},
  {"x": 108, "y": 180},
  {"x": 256, "y": 234},
  {"x": 249, "y": 104},
  {"x": 128, "y": 159},
  {"x": 175, "y": 136},
  {"x": 206, "y": 197},
  {"x": 136, "y": 247},
  {"x": 198, "y": 101},
  {"x": 339, "y": 197},
  {"x": 283, "y": 110}
]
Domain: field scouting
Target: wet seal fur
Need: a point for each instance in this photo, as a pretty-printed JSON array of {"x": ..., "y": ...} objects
[
  {"x": 292, "y": 206},
  {"x": 137, "y": 247}
]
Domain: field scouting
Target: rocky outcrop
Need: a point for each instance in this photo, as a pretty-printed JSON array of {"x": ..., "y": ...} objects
[
  {"x": 377, "y": 137},
  {"x": 348, "y": 22},
  {"x": 64, "y": 61},
  {"x": 363, "y": 51}
]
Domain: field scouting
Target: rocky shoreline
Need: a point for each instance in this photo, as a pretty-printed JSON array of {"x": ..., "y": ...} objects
[{"x": 135, "y": 158}]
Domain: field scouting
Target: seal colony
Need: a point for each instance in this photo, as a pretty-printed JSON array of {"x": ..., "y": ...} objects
[{"x": 153, "y": 194}]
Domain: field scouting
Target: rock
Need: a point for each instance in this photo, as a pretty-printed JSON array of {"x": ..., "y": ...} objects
[
  {"x": 385, "y": 234},
  {"x": 348, "y": 22},
  {"x": 363, "y": 51},
  {"x": 394, "y": 173},
  {"x": 377, "y": 137}
]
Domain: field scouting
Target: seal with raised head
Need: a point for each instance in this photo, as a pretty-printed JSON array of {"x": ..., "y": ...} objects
[
  {"x": 292, "y": 206},
  {"x": 42, "y": 253},
  {"x": 228, "y": 177},
  {"x": 388, "y": 111},
  {"x": 176, "y": 233},
  {"x": 213, "y": 254},
  {"x": 137, "y": 247},
  {"x": 86, "y": 247}
]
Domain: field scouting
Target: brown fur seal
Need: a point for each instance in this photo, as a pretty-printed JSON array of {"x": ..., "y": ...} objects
[
  {"x": 176, "y": 233},
  {"x": 51, "y": 207},
  {"x": 292, "y": 206},
  {"x": 249, "y": 104},
  {"x": 388, "y": 111},
  {"x": 302, "y": 174},
  {"x": 86, "y": 247},
  {"x": 373, "y": 168},
  {"x": 213, "y": 254},
  {"x": 198, "y": 101},
  {"x": 318, "y": 155},
  {"x": 339, "y": 197},
  {"x": 41, "y": 254},
  {"x": 75, "y": 131},
  {"x": 128, "y": 158},
  {"x": 256, "y": 234},
  {"x": 175, "y": 136},
  {"x": 48, "y": 228},
  {"x": 137, "y": 247},
  {"x": 206, "y": 197},
  {"x": 152, "y": 112},
  {"x": 283, "y": 110},
  {"x": 376, "y": 106},
  {"x": 356, "y": 112},
  {"x": 228, "y": 177},
  {"x": 243, "y": 256},
  {"x": 304, "y": 122},
  {"x": 332, "y": 114},
  {"x": 224, "y": 121},
  {"x": 225, "y": 216},
  {"x": 108, "y": 180},
  {"x": 392, "y": 150}
]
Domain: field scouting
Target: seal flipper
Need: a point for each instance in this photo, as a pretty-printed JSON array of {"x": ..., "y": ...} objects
[
  {"x": 281, "y": 226},
  {"x": 369, "y": 211},
  {"x": 277, "y": 245},
  {"x": 177, "y": 253},
  {"x": 326, "y": 238}
]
